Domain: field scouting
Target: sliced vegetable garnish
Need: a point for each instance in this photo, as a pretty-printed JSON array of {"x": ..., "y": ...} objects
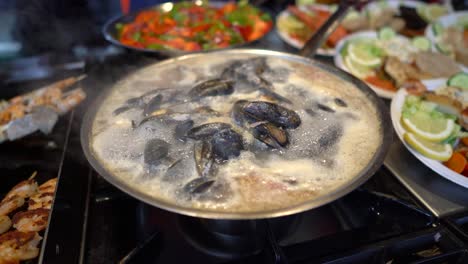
[
  {"x": 457, "y": 162},
  {"x": 425, "y": 126},
  {"x": 365, "y": 52},
  {"x": 386, "y": 33},
  {"x": 437, "y": 28},
  {"x": 444, "y": 48},
  {"x": 437, "y": 151},
  {"x": 421, "y": 43},
  {"x": 459, "y": 80}
]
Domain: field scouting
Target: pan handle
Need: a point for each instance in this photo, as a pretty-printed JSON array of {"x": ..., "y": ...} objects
[{"x": 315, "y": 42}]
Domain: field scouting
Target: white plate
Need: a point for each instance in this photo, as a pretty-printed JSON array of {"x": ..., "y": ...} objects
[
  {"x": 296, "y": 43},
  {"x": 338, "y": 59},
  {"x": 395, "y": 112},
  {"x": 446, "y": 21}
]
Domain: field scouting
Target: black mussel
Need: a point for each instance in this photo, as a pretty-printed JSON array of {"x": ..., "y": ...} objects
[
  {"x": 230, "y": 72},
  {"x": 273, "y": 113},
  {"x": 238, "y": 115},
  {"x": 220, "y": 191},
  {"x": 248, "y": 70},
  {"x": 310, "y": 112},
  {"x": 330, "y": 137},
  {"x": 276, "y": 97},
  {"x": 155, "y": 151},
  {"x": 226, "y": 144},
  {"x": 135, "y": 102},
  {"x": 206, "y": 130},
  {"x": 198, "y": 185},
  {"x": 204, "y": 160},
  {"x": 121, "y": 109},
  {"x": 271, "y": 135},
  {"x": 325, "y": 108},
  {"x": 181, "y": 129},
  {"x": 153, "y": 105},
  {"x": 176, "y": 171},
  {"x": 340, "y": 102},
  {"x": 212, "y": 87},
  {"x": 277, "y": 75},
  {"x": 155, "y": 116}
]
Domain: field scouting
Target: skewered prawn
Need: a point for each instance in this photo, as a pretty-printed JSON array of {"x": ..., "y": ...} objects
[
  {"x": 11, "y": 204},
  {"x": 16, "y": 246},
  {"x": 5, "y": 223},
  {"x": 31, "y": 220},
  {"x": 44, "y": 197},
  {"x": 48, "y": 186},
  {"x": 51, "y": 95},
  {"x": 23, "y": 189}
]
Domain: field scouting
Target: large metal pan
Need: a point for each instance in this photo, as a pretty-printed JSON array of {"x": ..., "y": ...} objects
[{"x": 351, "y": 184}]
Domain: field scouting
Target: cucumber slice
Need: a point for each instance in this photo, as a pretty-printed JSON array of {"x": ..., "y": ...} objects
[
  {"x": 421, "y": 43},
  {"x": 386, "y": 33},
  {"x": 437, "y": 28},
  {"x": 459, "y": 80},
  {"x": 444, "y": 49}
]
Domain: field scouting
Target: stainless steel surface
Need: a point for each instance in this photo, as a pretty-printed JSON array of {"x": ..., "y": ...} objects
[
  {"x": 441, "y": 196},
  {"x": 316, "y": 41},
  {"x": 373, "y": 165}
]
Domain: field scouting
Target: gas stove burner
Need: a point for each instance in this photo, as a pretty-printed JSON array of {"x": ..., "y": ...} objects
[
  {"x": 224, "y": 238},
  {"x": 233, "y": 239}
]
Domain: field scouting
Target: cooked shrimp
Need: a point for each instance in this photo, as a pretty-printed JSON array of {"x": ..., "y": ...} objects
[
  {"x": 48, "y": 186},
  {"x": 69, "y": 100},
  {"x": 16, "y": 246},
  {"x": 11, "y": 204},
  {"x": 31, "y": 220},
  {"x": 5, "y": 223},
  {"x": 23, "y": 189},
  {"x": 41, "y": 200},
  {"x": 44, "y": 197}
]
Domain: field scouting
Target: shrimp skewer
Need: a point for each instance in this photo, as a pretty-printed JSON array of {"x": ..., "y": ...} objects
[
  {"x": 23, "y": 189},
  {"x": 16, "y": 246},
  {"x": 11, "y": 204},
  {"x": 31, "y": 220},
  {"x": 5, "y": 223},
  {"x": 44, "y": 197}
]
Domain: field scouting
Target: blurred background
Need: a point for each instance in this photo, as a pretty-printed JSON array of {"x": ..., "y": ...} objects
[{"x": 30, "y": 27}]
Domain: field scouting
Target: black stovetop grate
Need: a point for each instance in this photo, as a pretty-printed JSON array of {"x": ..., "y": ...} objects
[{"x": 364, "y": 226}]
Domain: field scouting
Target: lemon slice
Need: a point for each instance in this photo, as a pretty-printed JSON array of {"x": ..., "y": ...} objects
[
  {"x": 437, "y": 151},
  {"x": 427, "y": 127},
  {"x": 432, "y": 12},
  {"x": 356, "y": 69},
  {"x": 365, "y": 53}
]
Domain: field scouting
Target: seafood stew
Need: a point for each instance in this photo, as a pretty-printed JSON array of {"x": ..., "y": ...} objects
[{"x": 237, "y": 135}]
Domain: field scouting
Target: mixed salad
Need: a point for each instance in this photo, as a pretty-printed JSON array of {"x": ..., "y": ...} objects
[
  {"x": 453, "y": 40},
  {"x": 189, "y": 26},
  {"x": 435, "y": 122},
  {"x": 387, "y": 60}
]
